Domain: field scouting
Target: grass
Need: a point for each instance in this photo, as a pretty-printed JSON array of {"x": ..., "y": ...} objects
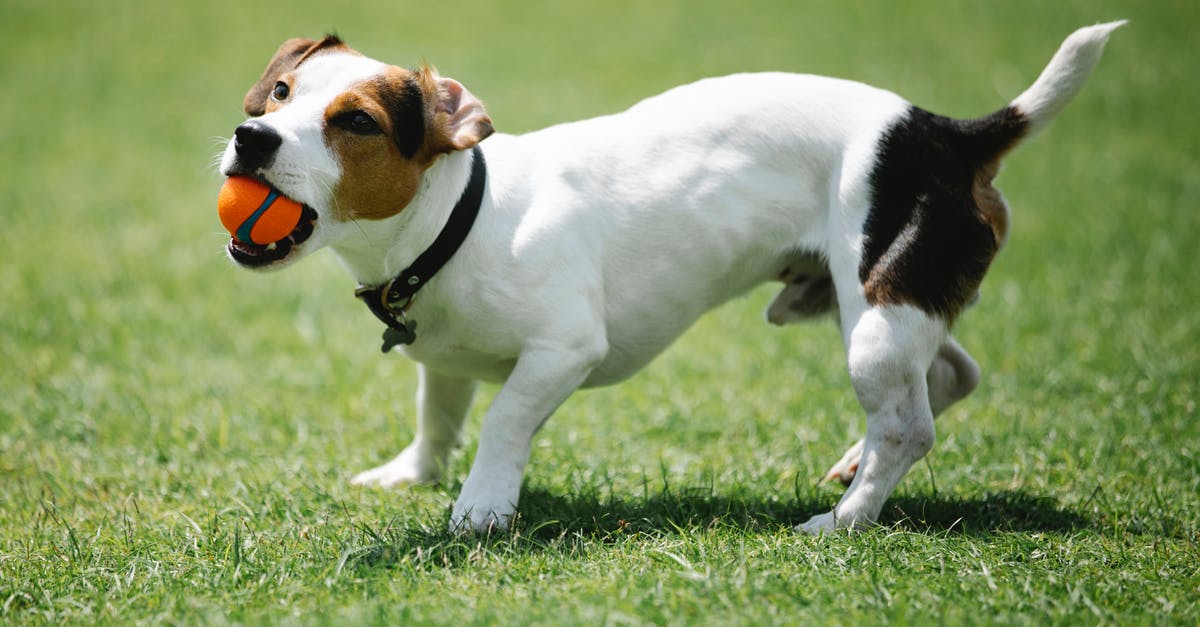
[{"x": 176, "y": 435}]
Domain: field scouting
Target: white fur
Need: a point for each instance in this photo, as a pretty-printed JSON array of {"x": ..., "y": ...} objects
[
  {"x": 599, "y": 242},
  {"x": 1064, "y": 76}
]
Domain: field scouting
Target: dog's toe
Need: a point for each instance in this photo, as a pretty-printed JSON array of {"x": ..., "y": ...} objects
[
  {"x": 486, "y": 504},
  {"x": 480, "y": 519},
  {"x": 817, "y": 525},
  {"x": 408, "y": 468},
  {"x": 845, "y": 475},
  {"x": 846, "y": 467}
]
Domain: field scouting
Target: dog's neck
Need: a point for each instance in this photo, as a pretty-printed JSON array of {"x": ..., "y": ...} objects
[{"x": 375, "y": 252}]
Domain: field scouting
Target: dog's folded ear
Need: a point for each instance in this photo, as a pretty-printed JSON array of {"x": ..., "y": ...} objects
[
  {"x": 460, "y": 114},
  {"x": 289, "y": 55},
  {"x": 285, "y": 59}
]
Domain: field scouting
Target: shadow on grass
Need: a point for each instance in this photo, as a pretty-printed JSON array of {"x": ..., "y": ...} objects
[
  {"x": 994, "y": 512},
  {"x": 577, "y": 523},
  {"x": 672, "y": 510}
]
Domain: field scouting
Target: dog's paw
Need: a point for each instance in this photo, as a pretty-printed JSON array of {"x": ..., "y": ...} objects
[
  {"x": 482, "y": 509},
  {"x": 847, "y": 466},
  {"x": 819, "y": 524},
  {"x": 480, "y": 518},
  {"x": 410, "y": 467}
]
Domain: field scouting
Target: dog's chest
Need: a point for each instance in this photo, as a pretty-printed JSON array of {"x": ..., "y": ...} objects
[
  {"x": 453, "y": 341},
  {"x": 460, "y": 361}
]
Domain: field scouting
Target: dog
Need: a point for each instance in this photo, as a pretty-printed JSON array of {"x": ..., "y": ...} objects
[{"x": 571, "y": 256}]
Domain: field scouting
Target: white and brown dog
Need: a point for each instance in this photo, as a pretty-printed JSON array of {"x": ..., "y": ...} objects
[{"x": 571, "y": 256}]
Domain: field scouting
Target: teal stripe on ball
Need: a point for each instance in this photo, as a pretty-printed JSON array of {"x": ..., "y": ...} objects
[{"x": 243, "y": 232}]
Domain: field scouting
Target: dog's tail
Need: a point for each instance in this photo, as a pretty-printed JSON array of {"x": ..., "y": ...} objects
[
  {"x": 927, "y": 161},
  {"x": 982, "y": 142},
  {"x": 1064, "y": 75}
]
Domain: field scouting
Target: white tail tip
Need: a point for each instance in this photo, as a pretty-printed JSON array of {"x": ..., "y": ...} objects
[{"x": 1065, "y": 74}]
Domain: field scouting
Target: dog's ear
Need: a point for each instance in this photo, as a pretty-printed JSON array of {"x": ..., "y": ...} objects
[
  {"x": 285, "y": 59},
  {"x": 289, "y": 55},
  {"x": 460, "y": 114}
]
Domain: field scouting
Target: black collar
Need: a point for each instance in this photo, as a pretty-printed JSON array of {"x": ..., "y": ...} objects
[{"x": 390, "y": 301}]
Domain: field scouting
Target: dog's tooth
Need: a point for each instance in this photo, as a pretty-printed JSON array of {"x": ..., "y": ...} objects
[{"x": 272, "y": 246}]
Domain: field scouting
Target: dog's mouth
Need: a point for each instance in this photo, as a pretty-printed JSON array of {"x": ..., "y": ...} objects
[{"x": 253, "y": 255}]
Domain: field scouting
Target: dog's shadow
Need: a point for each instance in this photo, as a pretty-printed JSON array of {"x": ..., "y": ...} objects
[
  {"x": 554, "y": 522},
  {"x": 1008, "y": 511}
]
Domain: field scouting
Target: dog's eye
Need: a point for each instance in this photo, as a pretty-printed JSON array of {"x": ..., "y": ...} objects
[
  {"x": 357, "y": 122},
  {"x": 281, "y": 91}
]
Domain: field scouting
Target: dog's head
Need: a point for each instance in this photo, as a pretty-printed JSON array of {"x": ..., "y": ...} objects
[{"x": 346, "y": 136}]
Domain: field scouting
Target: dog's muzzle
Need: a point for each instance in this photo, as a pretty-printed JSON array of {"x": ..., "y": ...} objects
[{"x": 255, "y": 144}]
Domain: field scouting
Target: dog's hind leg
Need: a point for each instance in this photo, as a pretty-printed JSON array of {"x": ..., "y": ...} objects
[
  {"x": 952, "y": 376},
  {"x": 890, "y": 349},
  {"x": 442, "y": 405}
]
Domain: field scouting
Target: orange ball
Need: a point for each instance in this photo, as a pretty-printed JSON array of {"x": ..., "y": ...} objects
[{"x": 255, "y": 213}]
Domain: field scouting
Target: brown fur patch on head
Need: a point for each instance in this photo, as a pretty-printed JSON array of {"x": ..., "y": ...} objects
[
  {"x": 382, "y": 165},
  {"x": 290, "y": 55},
  {"x": 381, "y": 162}
]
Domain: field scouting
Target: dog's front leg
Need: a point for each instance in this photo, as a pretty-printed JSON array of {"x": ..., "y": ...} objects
[
  {"x": 542, "y": 379},
  {"x": 442, "y": 404}
]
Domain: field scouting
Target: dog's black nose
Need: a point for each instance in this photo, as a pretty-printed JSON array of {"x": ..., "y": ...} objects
[{"x": 256, "y": 143}]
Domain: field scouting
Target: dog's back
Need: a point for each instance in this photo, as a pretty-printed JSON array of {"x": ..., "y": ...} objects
[{"x": 695, "y": 195}]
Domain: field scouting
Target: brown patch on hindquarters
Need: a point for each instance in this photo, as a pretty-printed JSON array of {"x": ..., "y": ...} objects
[{"x": 990, "y": 202}]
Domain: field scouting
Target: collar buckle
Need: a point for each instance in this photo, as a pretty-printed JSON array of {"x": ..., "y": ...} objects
[
  {"x": 400, "y": 330},
  {"x": 390, "y": 302}
]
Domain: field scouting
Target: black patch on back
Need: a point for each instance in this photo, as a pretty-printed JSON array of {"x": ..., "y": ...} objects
[
  {"x": 406, "y": 106},
  {"x": 926, "y": 243}
]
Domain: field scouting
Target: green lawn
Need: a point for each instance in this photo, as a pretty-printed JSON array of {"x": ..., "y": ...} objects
[{"x": 176, "y": 435}]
